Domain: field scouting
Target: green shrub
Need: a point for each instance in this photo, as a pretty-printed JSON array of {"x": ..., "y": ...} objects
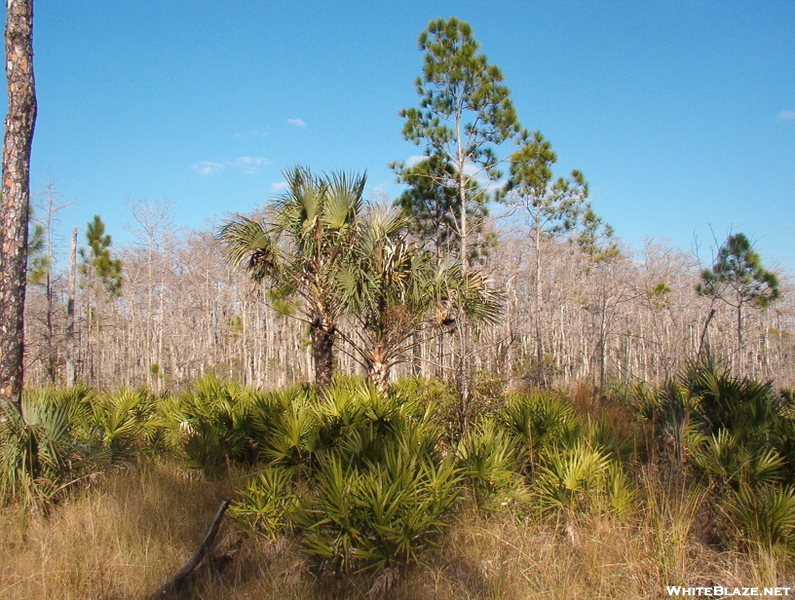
[
  {"x": 39, "y": 455},
  {"x": 212, "y": 423},
  {"x": 357, "y": 474}
]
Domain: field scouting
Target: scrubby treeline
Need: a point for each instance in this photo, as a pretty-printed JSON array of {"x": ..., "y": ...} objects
[{"x": 181, "y": 312}]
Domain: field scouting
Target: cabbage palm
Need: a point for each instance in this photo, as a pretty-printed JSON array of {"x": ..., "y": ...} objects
[
  {"x": 393, "y": 290},
  {"x": 299, "y": 250}
]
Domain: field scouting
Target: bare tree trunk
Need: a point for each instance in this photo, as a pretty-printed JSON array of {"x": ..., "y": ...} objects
[
  {"x": 541, "y": 367},
  {"x": 70, "y": 312},
  {"x": 14, "y": 206}
]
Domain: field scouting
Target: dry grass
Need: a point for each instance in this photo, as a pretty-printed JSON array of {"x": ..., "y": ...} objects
[
  {"x": 127, "y": 534},
  {"x": 123, "y": 536}
]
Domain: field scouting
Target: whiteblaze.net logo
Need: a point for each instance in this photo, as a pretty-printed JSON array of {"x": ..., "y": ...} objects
[{"x": 718, "y": 591}]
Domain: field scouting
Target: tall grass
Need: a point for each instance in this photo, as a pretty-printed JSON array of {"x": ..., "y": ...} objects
[{"x": 127, "y": 533}]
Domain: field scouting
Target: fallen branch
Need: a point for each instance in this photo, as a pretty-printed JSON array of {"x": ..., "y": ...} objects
[{"x": 175, "y": 583}]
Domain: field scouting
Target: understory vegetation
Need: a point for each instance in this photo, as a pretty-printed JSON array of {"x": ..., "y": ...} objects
[{"x": 350, "y": 491}]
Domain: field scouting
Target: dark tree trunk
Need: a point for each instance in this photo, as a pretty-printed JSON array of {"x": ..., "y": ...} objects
[
  {"x": 14, "y": 205},
  {"x": 323, "y": 334},
  {"x": 70, "y": 312}
]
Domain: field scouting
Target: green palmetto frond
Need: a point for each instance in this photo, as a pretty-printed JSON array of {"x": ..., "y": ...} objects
[
  {"x": 250, "y": 245},
  {"x": 542, "y": 424},
  {"x": 212, "y": 423},
  {"x": 343, "y": 202},
  {"x": 119, "y": 421},
  {"x": 39, "y": 454},
  {"x": 766, "y": 513},
  {"x": 488, "y": 456}
]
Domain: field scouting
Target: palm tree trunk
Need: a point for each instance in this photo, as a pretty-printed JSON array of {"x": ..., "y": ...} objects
[{"x": 323, "y": 334}]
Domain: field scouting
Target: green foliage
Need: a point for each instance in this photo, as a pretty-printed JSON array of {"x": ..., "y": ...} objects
[
  {"x": 35, "y": 447},
  {"x": 97, "y": 261},
  {"x": 212, "y": 423},
  {"x": 119, "y": 423},
  {"x": 460, "y": 93},
  {"x": 573, "y": 466},
  {"x": 357, "y": 473},
  {"x": 767, "y": 514},
  {"x": 554, "y": 207},
  {"x": 269, "y": 504},
  {"x": 431, "y": 201},
  {"x": 735, "y": 433},
  {"x": 39, "y": 454},
  {"x": 670, "y": 412},
  {"x": 659, "y": 296},
  {"x": 382, "y": 514},
  {"x": 742, "y": 405},
  {"x": 542, "y": 423},
  {"x": 488, "y": 457},
  {"x": 570, "y": 479},
  {"x": 464, "y": 115},
  {"x": 596, "y": 238},
  {"x": 737, "y": 277},
  {"x": 293, "y": 434},
  {"x": 298, "y": 252},
  {"x": 392, "y": 290},
  {"x": 736, "y": 464},
  {"x": 39, "y": 263}
]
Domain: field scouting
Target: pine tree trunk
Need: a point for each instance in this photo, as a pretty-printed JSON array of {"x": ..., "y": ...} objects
[{"x": 14, "y": 206}]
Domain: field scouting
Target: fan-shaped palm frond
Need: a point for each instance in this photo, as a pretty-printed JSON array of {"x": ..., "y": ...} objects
[{"x": 250, "y": 245}]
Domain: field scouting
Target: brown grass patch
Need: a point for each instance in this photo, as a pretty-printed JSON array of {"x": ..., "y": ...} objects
[{"x": 130, "y": 531}]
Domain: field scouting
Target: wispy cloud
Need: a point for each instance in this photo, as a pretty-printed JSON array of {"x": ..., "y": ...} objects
[
  {"x": 249, "y": 165},
  {"x": 278, "y": 187},
  {"x": 786, "y": 115},
  {"x": 296, "y": 122},
  {"x": 413, "y": 160},
  {"x": 473, "y": 170},
  {"x": 250, "y": 135},
  {"x": 207, "y": 167}
]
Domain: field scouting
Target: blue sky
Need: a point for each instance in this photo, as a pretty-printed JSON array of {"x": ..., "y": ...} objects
[{"x": 680, "y": 114}]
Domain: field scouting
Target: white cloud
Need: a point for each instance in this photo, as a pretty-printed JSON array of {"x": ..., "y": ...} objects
[
  {"x": 277, "y": 187},
  {"x": 252, "y": 160},
  {"x": 296, "y": 122},
  {"x": 249, "y": 164},
  {"x": 207, "y": 167},
  {"x": 473, "y": 170},
  {"x": 413, "y": 160},
  {"x": 248, "y": 135},
  {"x": 786, "y": 115}
]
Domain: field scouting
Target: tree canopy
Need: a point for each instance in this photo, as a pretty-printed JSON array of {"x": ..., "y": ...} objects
[
  {"x": 738, "y": 278},
  {"x": 465, "y": 113}
]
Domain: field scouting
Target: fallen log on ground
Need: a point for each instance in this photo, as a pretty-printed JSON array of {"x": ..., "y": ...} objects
[{"x": 176, "y": 583}]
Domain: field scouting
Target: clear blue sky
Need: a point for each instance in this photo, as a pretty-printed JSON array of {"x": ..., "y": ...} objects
[{"x": 681, "y": 114}]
